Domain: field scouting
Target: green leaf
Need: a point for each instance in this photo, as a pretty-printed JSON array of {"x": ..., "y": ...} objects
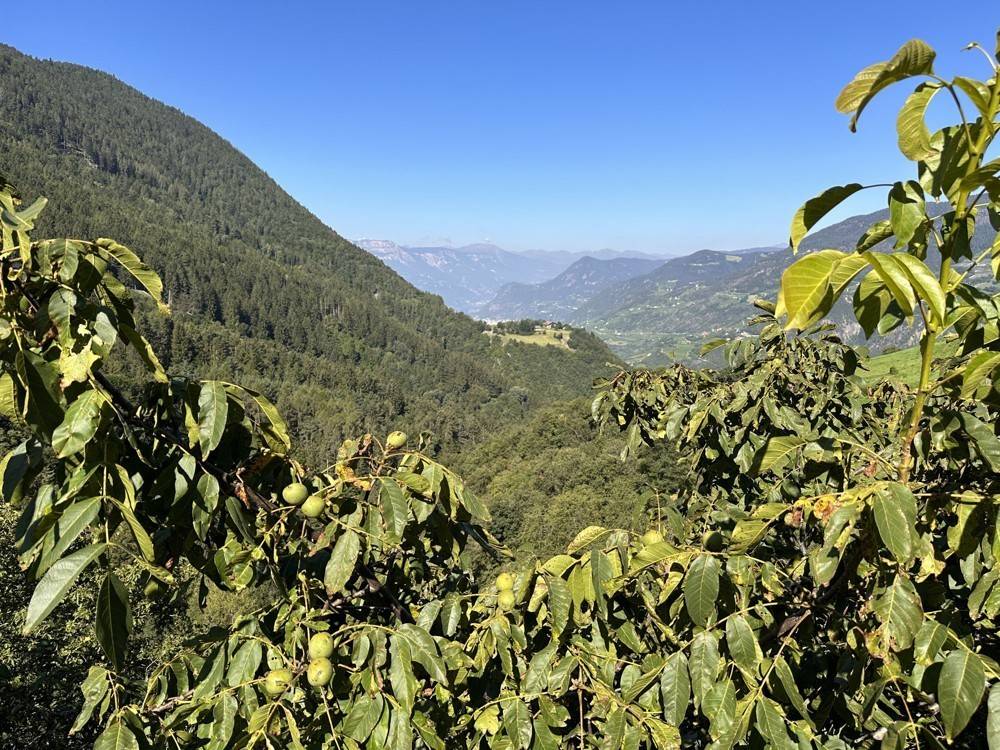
[
  {"x": 223, "y": 722},
  {"x": 68, "y": 528},
  {"x": 895, "y": 279},
  {"x": 776, "y": 450},
  {"x": 960, "y": 689},
  {"x": 114, "y": 619},
  {"x": 703, "y": 665},
  {"x": 925, "y": 283},
  {"x": 911, "y": 125},
  {"x": 808, "y": 291},
  {"x": 94, "y": 688},
  {"x": 517, "y": 723},
  {"x": 814, "y": 209},
  {"x": 140, "y": 271},
  {"x": 986, "y": 442},
  {"x": 424, "y": 651},
  {"x": 928, "y": 641},
  {"x": 701, "y": 588},
  {"x": 559, "y": 599},
  {"x": 395, "y": 509},
  {"x": 213, "y": 408},
  {"x": 117, "y": 736},
  {"x": 742, "y": 644},
  {"x": 79, "y": 425},
  {"x": 586, "y": 538},
  {"x": 57, "y": 582},
  {"x": 142, "y": 539},
  {"x": 363, "y": 717},
  {"x": 993, "y": 718},
  {"x": 675, "y": 688},
  {"x": 244, "y": 663},
  {"x": 895, "y": 510},
  {"x": 340, "y": 567},
  {"x": 979, "y": 369},
  {"x": 900, "y": 612},
  {"x": 913, "y": 58},
  {"x": 907, "y": 211},
  {"x": 401, "y": 678},
  {"x": 771, "y": 724},
  {"x": 790, "y": 687}
]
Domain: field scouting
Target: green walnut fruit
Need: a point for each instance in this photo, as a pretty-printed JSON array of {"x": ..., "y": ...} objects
[
  {"x": 154, "y": 588},
  {"x": 277, "y": 681},
  {"x": 320, "y": 646},
  {"x": 713, "y": 541},
  {"x": 313, "y": 506},
  {"x": 320, "y": 672},
  {"x": 396, "y": 440},
  {"x": 505, "y": 582},
  {"x": 651, "y": 537},
  {"x": 295, "y": 493},
  {"x": 506, "y": 600}
]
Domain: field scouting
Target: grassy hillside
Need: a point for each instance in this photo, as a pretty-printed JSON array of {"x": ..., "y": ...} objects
[{"x": 260, "y": 289}]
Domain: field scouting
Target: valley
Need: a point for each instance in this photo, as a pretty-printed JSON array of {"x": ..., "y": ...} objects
[{"x": 656, "y": 311}]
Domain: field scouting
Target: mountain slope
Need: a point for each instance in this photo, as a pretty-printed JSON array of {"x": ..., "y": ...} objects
[
  {"x": 668, "y": 314},
  {"x": 259, "y": 287},
  {"x": 560, "y": 298}
]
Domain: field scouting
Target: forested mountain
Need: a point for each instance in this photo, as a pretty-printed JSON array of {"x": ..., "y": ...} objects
[
  {"x": 260, "y": 289},
  {"x": 560, "y": 298},
  {"x": 668, "y": 313}
]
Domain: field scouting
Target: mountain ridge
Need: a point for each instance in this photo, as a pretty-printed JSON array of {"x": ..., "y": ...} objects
[{"x": 261, "y": 288}]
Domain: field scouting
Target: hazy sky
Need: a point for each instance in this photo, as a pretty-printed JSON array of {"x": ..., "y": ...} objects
[{"x": 658, "y": 126}]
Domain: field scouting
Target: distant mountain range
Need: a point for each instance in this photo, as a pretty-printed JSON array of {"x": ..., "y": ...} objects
[
  {"x": 469, "y": 277},
  {"x": 561, "y": 297},
  {"x": 649, "y": 310}
]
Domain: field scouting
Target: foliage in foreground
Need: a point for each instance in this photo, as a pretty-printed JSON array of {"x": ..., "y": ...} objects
[{"x": 842, "y": 591}]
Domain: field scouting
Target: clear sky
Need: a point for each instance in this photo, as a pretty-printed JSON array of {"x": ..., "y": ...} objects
[{"x": 654, "y": 126}]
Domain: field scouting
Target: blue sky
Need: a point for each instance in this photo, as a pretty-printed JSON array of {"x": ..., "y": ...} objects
[{"x": 652, "y": 126}]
